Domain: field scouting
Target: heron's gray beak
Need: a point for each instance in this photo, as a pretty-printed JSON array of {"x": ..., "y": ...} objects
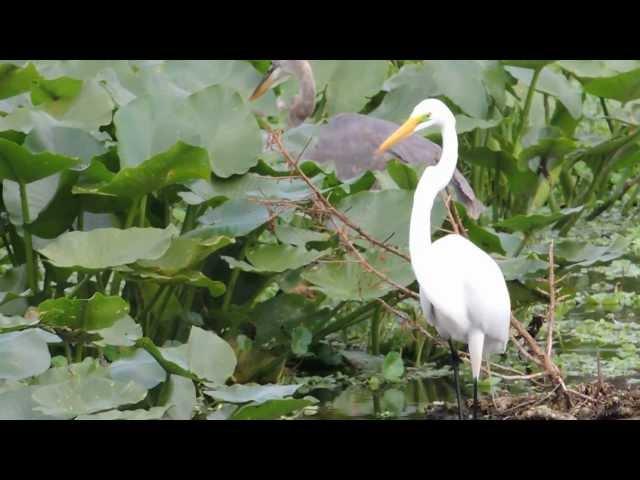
[{"x": 273, "y": 77}]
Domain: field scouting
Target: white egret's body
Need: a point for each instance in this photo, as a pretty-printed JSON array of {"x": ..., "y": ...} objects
[{"x": 462, "y": 290}]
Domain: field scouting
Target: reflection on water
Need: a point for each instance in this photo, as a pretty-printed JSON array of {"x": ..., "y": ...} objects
[{"x": 411, "y": 400}]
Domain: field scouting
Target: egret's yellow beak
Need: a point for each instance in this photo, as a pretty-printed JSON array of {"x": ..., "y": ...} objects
[
  {"x": 405, "y": 130},
  {"x": 264, "y": 86}
]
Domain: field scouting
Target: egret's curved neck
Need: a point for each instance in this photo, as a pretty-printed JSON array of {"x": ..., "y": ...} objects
[
  {"x": 433, "y": 180},
  {"x": 303, "y": 103}
]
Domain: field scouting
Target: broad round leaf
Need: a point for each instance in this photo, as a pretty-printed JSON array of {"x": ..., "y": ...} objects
[
  {"x": 179, "y": 164},
  {"x": 251, "y": 393},
  {"x": 96, "y": 313},
  {"x": 20, "y": 165},
  {"x": 182, "y": 399},
  {"x": 85, "y": 395},
  {"x": 216, "y": 118},
  {"x": 140, "y": 368},
  {"x": 349, "y": 281},
  {"x": 23, "y": 354},
  {"x": 107, "y": 247},
  {"x": 205, "y": 354},
  {"x": 234, "y": 218}
]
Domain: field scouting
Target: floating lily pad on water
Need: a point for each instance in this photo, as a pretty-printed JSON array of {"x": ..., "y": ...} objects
[{"x": 257, "y": 394}]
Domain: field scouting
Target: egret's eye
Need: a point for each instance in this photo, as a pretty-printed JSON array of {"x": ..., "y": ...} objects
[{"x": 425, "y": 117}]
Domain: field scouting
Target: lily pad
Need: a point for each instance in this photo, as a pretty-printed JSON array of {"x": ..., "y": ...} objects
[
  {"x": 107, "y": 247},
  {"x": 251, "y": 393}
]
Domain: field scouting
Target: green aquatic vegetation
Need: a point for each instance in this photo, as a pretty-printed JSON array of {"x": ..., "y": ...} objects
[{"x": 153, "y": 251}]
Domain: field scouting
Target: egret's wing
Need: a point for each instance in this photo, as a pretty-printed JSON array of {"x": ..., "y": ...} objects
[{"x": 349, "y": 140}]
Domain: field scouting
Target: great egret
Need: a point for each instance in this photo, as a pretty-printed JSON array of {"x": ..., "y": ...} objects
[
  {"x": 349, "y": 140},
  {"x": 463, "y": 293}
]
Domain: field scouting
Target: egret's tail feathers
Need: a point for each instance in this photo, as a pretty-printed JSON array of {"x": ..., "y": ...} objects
[{"x": 476, "y": 342}]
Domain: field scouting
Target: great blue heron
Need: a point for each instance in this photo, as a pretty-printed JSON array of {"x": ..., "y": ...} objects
[
  {"x": 463, "y": 293},
  {"x": 349, "y": 140}
]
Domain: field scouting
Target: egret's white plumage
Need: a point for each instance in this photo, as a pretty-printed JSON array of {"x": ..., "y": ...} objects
[{"x": 463, "y": 293}]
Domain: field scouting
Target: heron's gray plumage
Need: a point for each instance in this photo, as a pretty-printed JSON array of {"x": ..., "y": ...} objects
[{"x": 349, "y": 140}]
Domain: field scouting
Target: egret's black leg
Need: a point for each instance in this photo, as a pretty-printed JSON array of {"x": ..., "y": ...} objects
[
  {"x": 455, "y": 361},
  {"x": 475, "y": 399}
]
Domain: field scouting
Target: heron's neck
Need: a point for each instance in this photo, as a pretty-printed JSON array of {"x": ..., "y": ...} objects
[
  {"x": 433, "y": 180},
  {"x": 303, "y": 103}
]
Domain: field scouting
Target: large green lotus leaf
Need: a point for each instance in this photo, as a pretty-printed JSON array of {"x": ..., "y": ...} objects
[
  {"x": 39, "y": 195},
  {"x": 530, "y": 223},
  {"x": 96, "y": 313},
  {"x": 61, "y": 212},
  {"x": 193, "y": 278},
  {"x": 85, "y": 395},
  {"x": 532, "y": 64},
  {"x": 582, "y": 254},
  {"x": 277, "y": 317},
  {"x": 348, "y": 84},
  {"x": 462, "y": 82},
  {"x": 466, "y": 124},
  {"x": 79, "y": 69},
  {"x": 392, "y": 367},
  {"x": 15, "y": 80},
  {"x": 366, "y": 209},
  {"x": 63, "y": 373},
  {"x": 240, "y": 75},
  {"x": 123, "y": 333},
  {"x": 590, "y": 69},
  {"x": 270, "y": 410},
  {"x": 467, "y": 83},
  {"x": 520, "y": 267},
  {"x": 13, "y": 321},
  {"x": 16, "y": 403},
  {"x": 205, "y": 354},
  {"x": 234, "y": 218},
  {"x": 20, "y": 165},
  {"x": 67, "y": 141},
  {"x": 275, "y": 258},
  {"x": 216, "y": 118},
  {"x": 140, "y": 368},
  {"x": 57, "y": 93},
  {"x": 89, "y": 109},
  {"x": 251, "y": 393},
  {"x": 412, "y": 84},
  {"x": 181, "y": 163},
  {"x": 182, "y": 398},
  {"x": 249, "y": 185},
  {"x": 623, "y": 87},
  {"x": 107, "y": 247},
  {"x": 186, "y": 252},
  {"x": 348, "y": 280},
  {"x": 154, "y": 413},
  {"x": 24, "y": 353},
  {"x": 298, "y": 236},
  {"x": 555, "y": 84},
  {"x": 402, "y": 174}
]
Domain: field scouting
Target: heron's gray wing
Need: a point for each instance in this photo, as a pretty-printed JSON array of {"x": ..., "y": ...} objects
[{"x": 349, "y": 140}]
